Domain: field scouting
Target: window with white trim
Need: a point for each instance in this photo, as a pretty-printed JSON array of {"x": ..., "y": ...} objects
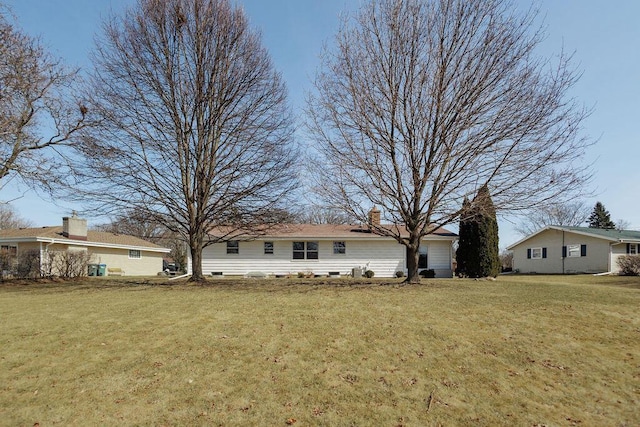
[
  {"x": 305, "y": 250},
  {"x": 573, "y": 251},
  {"x": 339, "y": 248},
  {"x": 634, "y": 249},
  {"x": 536, "y": 253},
  {"x": 134, "y": 254},
  {"x": 233, "y": 247}
]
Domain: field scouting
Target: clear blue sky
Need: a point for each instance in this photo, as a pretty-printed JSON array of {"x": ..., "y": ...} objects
[{"x": 604, "y": 35}]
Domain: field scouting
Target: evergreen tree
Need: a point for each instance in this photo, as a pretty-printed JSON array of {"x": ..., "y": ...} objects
[
  {"x": 488, "y": 253},
  {"x": 478, "y": 254},
  {"x": 465, "y": 239},
  {"x": 600, "y": 218}
]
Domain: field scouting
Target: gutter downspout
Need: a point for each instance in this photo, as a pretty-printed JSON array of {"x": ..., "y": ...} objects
[
  {"x": 46, "y": 251},
  {"x": 561, "y": 253}
]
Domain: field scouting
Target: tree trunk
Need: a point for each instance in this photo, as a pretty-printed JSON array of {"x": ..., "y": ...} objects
[
  {"x": 195, "y": 242},
  {"x": 412, "y": 264}
]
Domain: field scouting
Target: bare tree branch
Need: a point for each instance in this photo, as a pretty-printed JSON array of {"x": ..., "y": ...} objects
[
  {"x": 572, "y": 214},
  {"x": 194, "y": 129},
  {"x": 9, "y": 218},
  {"x": 422, "y": 102},
  {"x": 36, "y": 99}
]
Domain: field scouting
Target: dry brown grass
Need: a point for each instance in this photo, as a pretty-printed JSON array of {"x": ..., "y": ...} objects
[{"x": 527, "y": 350}]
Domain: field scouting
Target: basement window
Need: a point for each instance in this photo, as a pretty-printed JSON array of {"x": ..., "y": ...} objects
[{"x": 134, "y": 254}]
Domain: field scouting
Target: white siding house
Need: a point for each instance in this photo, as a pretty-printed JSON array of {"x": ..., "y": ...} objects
[
  {"x": 324, "y": 249},
  {"x": 567, "y": 250}
]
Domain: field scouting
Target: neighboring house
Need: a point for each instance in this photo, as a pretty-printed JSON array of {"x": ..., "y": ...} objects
[
  {"x": 324, "y": 249},
  {"x": 122, "y": 254},
  {"x": 566, "y": 250}
]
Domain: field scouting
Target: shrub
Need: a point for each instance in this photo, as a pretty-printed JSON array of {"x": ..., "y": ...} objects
[
  {"x": 68, "y": 264},
  {"x": 369, "y": 274},
  {"x": 399, "y": 274},
  {"x": 28, "y": 264},
  {"x": 428, "y": 274},
  {"x": 629, "y": 265},
  {"x": 301, "y": 274}
]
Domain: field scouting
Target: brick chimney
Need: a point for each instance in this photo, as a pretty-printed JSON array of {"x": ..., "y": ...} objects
[
  {"x": 74, "y": 228},
  {"x": 374, "y": 217}
]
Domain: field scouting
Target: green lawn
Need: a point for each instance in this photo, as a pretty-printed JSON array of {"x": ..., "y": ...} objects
[{"x": 526, "y": 351}]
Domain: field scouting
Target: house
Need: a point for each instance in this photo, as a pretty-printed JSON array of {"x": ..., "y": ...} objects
[
  {"x": 325, "y": 249},
  {"x": 119, "y": 254},
  {"x": 566, "y": 250}
]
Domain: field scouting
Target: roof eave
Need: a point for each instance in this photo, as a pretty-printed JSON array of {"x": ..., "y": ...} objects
[{"x": 82, "y": 243}]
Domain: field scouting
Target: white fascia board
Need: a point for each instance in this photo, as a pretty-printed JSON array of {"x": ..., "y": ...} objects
[{"x": 81, "y": 243}]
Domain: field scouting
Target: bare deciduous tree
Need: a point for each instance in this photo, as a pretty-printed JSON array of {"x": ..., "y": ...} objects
[
  {"x": 422, "y": 102},
  {"x": 9, "y": 218},
  {"x": 572, "y": 214},
  {"x": 195, "y": 131},
  {"x": 135, "y": 223},
  {"x": 321, "y": 215},
  {"x": 623, "y": 224},
  {"x": 37, "y": 109}
]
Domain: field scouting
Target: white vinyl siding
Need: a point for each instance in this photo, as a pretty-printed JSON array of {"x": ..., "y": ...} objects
[{"x": 383, "y": 257}]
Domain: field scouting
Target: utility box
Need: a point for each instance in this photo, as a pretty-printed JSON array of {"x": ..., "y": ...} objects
[
  {"x": 356, "y": 273},
  {"x": 102, "y": 269},
  {"x": 92, "y": 269}
]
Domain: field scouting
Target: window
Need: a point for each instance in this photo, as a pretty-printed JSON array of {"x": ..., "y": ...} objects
[
  {"x": 632, "y": 248},
  {"x": 305, "y": 250},
  {"x": 134, "y": 254},
  {"x": 233, "y": 247},
  {"x": 9, "y": 250},
  {"x": 573, "y": 251},
  {"x": 268, "y": 248},
  {"x": 422, "y": 257},
  {"x": 339, "y": 248},
  {"x": 536, "y": 253},
  {"x": 312, "y": 250}
]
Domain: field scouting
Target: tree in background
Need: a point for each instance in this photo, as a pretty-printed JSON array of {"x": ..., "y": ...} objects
[
  {"x": 600, "y": 218},
  {"x": 194, "y": 128},
  {"x": 9, "y": 218},
  {"x": 571, "y": 214},
  {"x": 622, "y": 224},
  {"x": 423, "y": 102},
  {"x": 38, "y": 111},
  {"x": 321, "y": 215},
  {"x": 480, "y": 255},
  {"x": 134, "y": 223}
]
